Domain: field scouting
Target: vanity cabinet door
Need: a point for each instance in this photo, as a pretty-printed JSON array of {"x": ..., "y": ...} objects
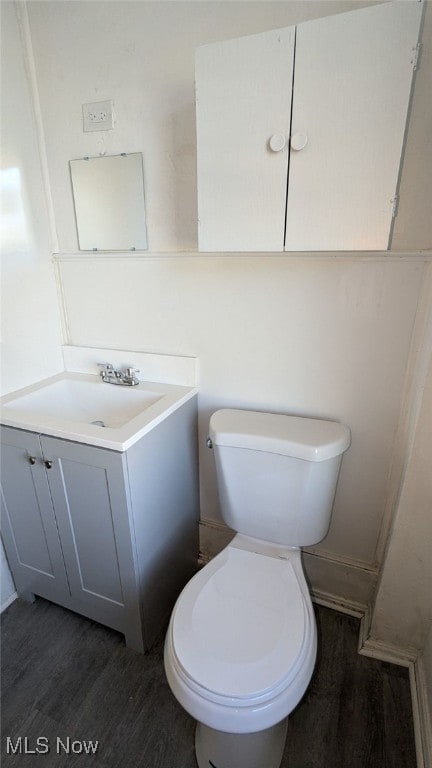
[
  {"x": 29, "y": 526},
  {"x": 89, "y": 491}
]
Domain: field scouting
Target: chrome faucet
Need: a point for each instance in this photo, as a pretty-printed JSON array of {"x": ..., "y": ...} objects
[{"x": 126, "y": 378}]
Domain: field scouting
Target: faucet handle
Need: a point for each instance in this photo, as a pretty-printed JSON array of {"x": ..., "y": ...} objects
[
  {"x": 129, "y": 372},
  {"x": 129, "y": 376},
  {"x": 107, "y": 369}
]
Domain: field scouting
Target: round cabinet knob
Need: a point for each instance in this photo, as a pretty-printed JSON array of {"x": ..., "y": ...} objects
[
  {"x": 277, "y": 142},
  {"x": 32, "y": 460},
  {"x": 48, "y": 464},
  {"x": 298, "y": 141}
]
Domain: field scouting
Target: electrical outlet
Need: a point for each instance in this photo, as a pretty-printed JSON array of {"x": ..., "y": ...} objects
[{"x": 98, "y": 116}]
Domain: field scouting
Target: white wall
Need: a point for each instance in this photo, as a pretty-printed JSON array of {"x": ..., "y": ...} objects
[
  {"x": 30, "y": 315},
  {"x": 326, "y": 336},
  {"x": 401, "y": 617},
  {"x": 322, "y": 336},
  {"x": 142, "y": 57},
  {"x": 403, "y": 605},
  {"x": 30, "y": 342}
]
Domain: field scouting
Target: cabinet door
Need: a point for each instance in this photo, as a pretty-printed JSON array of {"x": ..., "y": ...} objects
[
  {"x": 353, "y": 74},
  {"x": 88, "y": 489},
  {"x": 243, "y": 98},
  {"x": 28, "y": 523}
]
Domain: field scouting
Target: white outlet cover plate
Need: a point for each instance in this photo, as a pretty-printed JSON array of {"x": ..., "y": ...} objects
[{"x": 98, "y": 116}]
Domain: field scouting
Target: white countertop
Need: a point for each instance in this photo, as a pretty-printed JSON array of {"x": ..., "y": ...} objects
[{"x": 64, "y": 406}]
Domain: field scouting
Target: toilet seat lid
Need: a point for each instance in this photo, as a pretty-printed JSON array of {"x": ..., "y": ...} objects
[{"x": 239, "y": 625}]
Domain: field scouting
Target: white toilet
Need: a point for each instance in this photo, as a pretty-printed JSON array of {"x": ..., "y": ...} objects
[{"x": 241, "y": 644}]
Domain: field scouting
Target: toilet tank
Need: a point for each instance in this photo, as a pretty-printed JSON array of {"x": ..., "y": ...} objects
[{"x": 277, "y": 474}]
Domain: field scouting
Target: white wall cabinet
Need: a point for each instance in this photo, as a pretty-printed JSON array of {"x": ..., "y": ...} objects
[
  {"x": 112, "y": 536},
  {"x": 300, "y": 132}
]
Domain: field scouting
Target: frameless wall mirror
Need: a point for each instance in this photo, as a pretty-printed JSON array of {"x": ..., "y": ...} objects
[{"x": 109, "y": 202}]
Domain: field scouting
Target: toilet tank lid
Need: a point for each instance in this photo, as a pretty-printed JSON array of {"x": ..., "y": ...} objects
[{"x": 295, "y": 436}]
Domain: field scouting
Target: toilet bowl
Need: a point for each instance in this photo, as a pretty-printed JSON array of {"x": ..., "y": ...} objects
[
  {"x": 241, "y": 644},
  {"x": 240, "y": 651}
]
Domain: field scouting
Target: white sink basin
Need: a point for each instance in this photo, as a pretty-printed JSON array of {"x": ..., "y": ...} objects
[
  {"x": 83, "y": 408},
  {"x": 85, "y": 401}
]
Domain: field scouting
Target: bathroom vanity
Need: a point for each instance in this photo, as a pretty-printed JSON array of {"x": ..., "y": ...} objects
[{"x": 102, "y": 519}]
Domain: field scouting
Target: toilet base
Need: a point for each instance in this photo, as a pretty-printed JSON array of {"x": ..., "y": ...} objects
[{"x": 262, "y": 749}]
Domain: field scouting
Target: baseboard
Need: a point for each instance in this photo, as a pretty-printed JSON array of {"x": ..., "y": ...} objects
[
  {"x": 337, "y": 603},
  {"x": 340, "y": 583},
  {"x": 8, "y": 602},
  {"x": 213, "y": 537},
  {"x": 410, "y": 658},
  {"x": 376, "y": 649}
]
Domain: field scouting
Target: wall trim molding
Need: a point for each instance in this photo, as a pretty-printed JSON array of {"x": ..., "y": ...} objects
[
  {"x": 410, "y": 658},
  {"x": 377, "y": 649},
  {"x": 393, "y": 256},
  {"x": 320, "y": 597},
  {"x": 338, "y": 582},
  {"x": 351, "y": 562},
  {"x": 342, "y": 605},
  {"x": 11, "y": 599}
]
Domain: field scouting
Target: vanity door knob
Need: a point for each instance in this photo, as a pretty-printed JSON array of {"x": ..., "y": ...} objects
[
  {"x": 298, "y": 141},
  {"x": 32, "y": 460},
  {"x": 48, "y": 463},
  {"x": 277, "y": 142}
]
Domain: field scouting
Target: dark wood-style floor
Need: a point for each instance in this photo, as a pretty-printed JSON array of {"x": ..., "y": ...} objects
[{"x": 64, "y": 676}]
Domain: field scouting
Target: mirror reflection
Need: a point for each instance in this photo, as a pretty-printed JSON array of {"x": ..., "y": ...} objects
[{"x": 109, "y": 204}]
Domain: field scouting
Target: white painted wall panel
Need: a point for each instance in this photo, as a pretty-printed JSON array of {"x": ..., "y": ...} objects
[
  {"x": 326, "y": 338},
  {"x": 402, "y": 612},
  {"x": 31, "y": 333},
  {"x": 30, "y": 314}
]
